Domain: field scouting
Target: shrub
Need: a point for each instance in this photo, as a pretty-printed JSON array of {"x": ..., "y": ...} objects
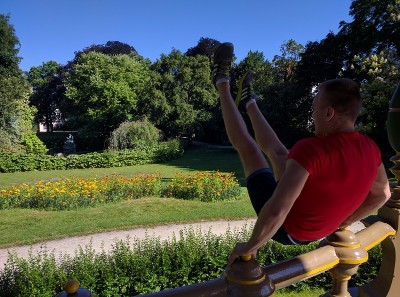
[
  {"x": 33, "y": 144},
  {"x": 5, "y": 142},
  {"x": 163, "y": 152},
  {"x": 204, "y": 186},
  {"x": 29, "y": 162},
  {"x": 7, "y": 145},
  {"x": 29, "y": 143},
  {"x": 149, "y": 265},
  {"x": 137, "y": 134}
]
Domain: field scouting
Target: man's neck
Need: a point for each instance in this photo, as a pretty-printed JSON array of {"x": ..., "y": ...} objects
[{"x": 341, "y": 129}]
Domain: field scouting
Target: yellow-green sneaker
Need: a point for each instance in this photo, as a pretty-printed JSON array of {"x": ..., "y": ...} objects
[{"x": 245, "y": 91}]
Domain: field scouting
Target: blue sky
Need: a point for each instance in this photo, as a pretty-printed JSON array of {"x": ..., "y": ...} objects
[{"x": 55, "y": 29}]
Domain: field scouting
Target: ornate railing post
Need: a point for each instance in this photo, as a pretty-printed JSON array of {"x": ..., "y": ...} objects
[
  {"x": 351, "y": 254},
  {"x": 393, "y": 128},
  {"x": 387, "y": 282},
  {"x": 246, "y": 278},
  {"x": 71, "y": 289}
]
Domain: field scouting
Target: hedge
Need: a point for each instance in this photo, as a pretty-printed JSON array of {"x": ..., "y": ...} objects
[{"x": 163, "y": 152}]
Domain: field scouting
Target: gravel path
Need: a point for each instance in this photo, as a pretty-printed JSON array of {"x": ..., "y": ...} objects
[{"x": 105, "y": 240}]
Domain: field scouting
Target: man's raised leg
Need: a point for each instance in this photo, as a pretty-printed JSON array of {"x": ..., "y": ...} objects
[
  {"x": 249, "y": 152},
  {"x": 268, "y": 140},
  {"x": 265, "y": 136}
]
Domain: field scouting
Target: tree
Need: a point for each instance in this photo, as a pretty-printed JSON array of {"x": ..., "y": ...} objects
[
  {"x": 285, "y": 105},
  {"x": 375, "y": 26},
  {"x": 382, "y": 76},
  {"x": 286, "y": 63},
  {"x": 264, "y": 74},
  {"x": 15, "y": 114},
  {"x": 102, "y": 91},
  {"x": 9, "y": 48},
  {"x": 110, "y": 48},
  {"x": 48, "y": 92},
  {"x": 326, "y": 59},
  {"x": 205, "y": 47},
  {"x": 185, "y": 96}
]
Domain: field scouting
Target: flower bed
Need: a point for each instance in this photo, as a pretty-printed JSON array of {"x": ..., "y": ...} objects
[{"x": 71, "y": 193}]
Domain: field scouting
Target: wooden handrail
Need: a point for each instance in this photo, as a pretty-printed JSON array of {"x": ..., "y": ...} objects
[{"x": 301, "y": 267}]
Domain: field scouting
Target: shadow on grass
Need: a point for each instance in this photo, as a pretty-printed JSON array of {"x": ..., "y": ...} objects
[{"x": 211, "y": 158}]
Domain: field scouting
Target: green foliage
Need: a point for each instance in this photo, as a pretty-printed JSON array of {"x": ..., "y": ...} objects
[
  {"x": 375, "y": 26},
  {"x": 136, "y": 266},
  {"x": 381, "y": 77},
  {"x": 205, "y": 186},
  {"x": 16, "y": 116},
  {"x": 136, "y": 134},
  {"x": 48, "y": 92},
  {"x": 102, "y": 91},
  {"x": 110, "y": 48},
  {"x": 9, "y": 48},
  {"x": 286, "y": 63},
  {"x": 275, "y": 86},
  {"x": 45, "y": 276},
  {"x": 205, "y": 47},
  {"x": 163, "y": 152},
  {"x": 7, "y": 144},
  {"x": 182, "y": 98},
  {"x": 33, "y": 144},
  {"x": 264, "y": 73}
]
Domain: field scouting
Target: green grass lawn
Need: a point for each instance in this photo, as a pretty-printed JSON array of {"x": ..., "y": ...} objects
[
  {"x": 26, "y": 226},
  {"x": 194, "y": 159}
]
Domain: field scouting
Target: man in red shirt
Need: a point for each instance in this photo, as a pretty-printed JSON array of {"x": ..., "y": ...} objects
[{"x": 325, "y": 182}]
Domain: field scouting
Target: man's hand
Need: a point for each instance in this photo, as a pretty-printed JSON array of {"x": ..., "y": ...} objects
[{"x": 240, "y": 249}]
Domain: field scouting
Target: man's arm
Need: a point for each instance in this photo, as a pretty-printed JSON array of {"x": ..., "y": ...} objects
[
  {"x": 274, "y": 212},
  {"x": 377, "y": 196}
]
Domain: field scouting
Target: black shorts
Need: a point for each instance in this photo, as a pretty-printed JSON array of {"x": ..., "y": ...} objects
[{"x": 260, "y": 186}]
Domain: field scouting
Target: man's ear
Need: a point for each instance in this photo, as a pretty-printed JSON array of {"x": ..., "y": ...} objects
[{"x": 330, "y": 113}]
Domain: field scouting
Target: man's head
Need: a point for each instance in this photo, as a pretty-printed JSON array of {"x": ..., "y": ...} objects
[{"x": 336, "y": 106}]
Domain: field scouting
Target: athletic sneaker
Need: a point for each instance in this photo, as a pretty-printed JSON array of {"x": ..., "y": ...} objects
[
  {"x": 223, "y": 58},
  {"x": 245, "y": 91}
]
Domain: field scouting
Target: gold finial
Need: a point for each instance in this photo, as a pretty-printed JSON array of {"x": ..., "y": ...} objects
[
  {"x": 246, "y": 257},
  {"x": 72, "y": 286}
]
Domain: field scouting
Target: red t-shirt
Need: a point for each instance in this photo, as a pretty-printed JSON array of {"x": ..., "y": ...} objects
[{"x": 342, "y": 168}]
